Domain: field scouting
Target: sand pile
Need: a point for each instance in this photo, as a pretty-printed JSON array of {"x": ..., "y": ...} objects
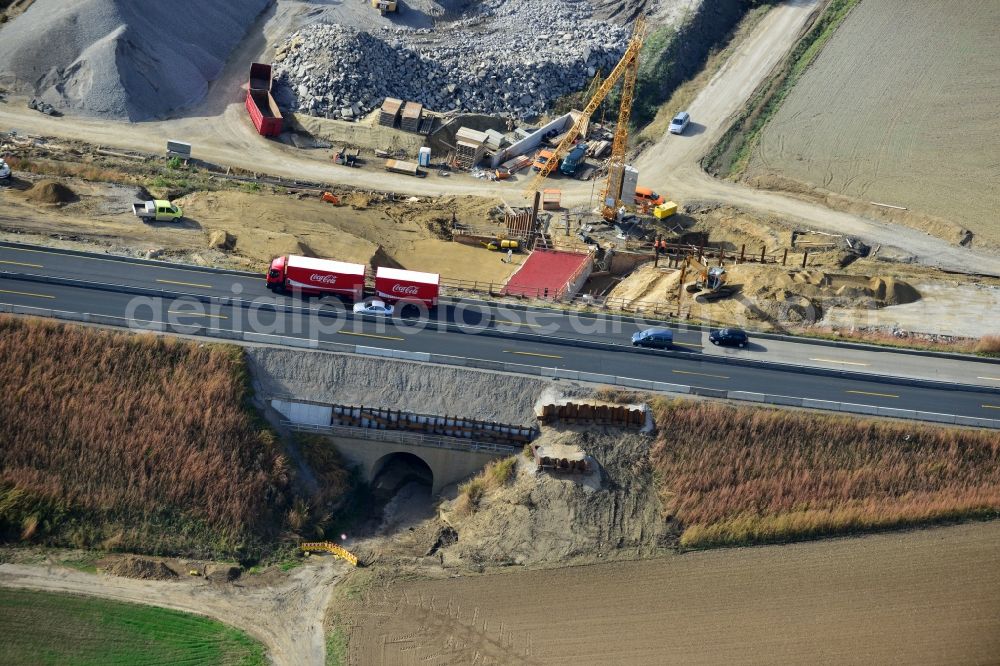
[
  {"x": 50, "y": 192},
  {"x": 137, "y": 567},
  {"x": 648, "y": 283},
  {"x": 121, "y": 59}
]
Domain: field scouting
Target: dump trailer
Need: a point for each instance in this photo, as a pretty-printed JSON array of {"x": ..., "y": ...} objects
[
  {"x": 308, "y": 275},
  {"x": 399, "y": 166},
  {"x": 397, "y": 285},
  {"x": 157, "y": 210},
  {"x": 263, "y": 110}
]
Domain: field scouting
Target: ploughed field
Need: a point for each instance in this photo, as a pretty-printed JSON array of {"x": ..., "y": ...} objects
[
  {"x": 900, "y": 107},
  {"x": 923, "y": 597}
]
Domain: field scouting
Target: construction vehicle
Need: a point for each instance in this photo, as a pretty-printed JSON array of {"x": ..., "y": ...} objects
[
  {"x": 384, "y": 6},
  {"x": 709, "y": 280},
  {"x": 157, "y": 210},
  {"x": 573, "y": 161},
  {"x": 502, "y": 244},
  {"x": 627, "y": 67}
]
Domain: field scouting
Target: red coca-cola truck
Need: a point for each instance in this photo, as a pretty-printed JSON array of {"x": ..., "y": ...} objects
[
  {"x": 263, "y": 110},
  {"x": 316, "y": 276},
  {"x": 395, "y": 284}
]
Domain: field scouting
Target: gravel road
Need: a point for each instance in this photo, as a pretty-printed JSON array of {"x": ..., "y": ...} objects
[{"x": 672, "y": 165}]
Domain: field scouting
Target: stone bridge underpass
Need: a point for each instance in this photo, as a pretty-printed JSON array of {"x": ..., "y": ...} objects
[{"x": 452, "y": 448}]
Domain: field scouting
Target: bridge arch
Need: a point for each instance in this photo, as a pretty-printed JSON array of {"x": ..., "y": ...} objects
[{"x": 391, "y": 471}]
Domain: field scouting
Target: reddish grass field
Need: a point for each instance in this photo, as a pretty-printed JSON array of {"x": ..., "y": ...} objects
[
  {"x": 737, "y": 475},
  {"x": 132, "y": 442}
]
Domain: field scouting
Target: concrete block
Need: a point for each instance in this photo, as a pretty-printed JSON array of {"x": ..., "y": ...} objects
[
  {"x": 566, "y": 374},
  {"x": 596, "y": 378},
  {"x": 413, "y": 356},
  {"x": 855, "y": 408},
  {"x": 634, "y": 383},
  {"x": 976, "y": 422},
  {"x": 671, "y": 388},
  {"x": 809, "y": 403},
  {"x": 746, "y": 395},
  {"x": 783, "y": 400},
  {"x": 935, "y": 417},
  {"x": 523, "y": 369},
  {"x": 447, "y": 360},
  {"x": 708, "y": 392},
  {"x": 261, "y": 338},
  {"x": 897, "y": 413}
]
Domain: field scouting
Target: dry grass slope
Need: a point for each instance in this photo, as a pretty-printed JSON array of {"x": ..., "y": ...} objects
[
  {"x": 132, "y": 442},
  {"x": 737, "y": 476}
]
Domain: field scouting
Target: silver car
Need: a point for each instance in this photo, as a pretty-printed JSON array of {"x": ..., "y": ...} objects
[
  {"x": 680, "y": 122},
  {"x": 373, "y": 307},
  {"x": 4, "y": 171}
]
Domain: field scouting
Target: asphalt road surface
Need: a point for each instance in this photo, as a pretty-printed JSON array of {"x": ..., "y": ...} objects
[{"x": 329, "y": 323}]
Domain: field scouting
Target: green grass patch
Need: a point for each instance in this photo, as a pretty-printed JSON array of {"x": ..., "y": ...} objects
[
  {"x": 336, "y": 647},
  {"x": 47, "y": 628},
  {"x": 731, "y": 154}
]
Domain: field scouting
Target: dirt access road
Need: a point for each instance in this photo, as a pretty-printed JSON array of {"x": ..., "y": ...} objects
[
  {"x": 220, "y": 133},
  {"x": 286, "y": 618},
  {"x": 922, "y": 597}
]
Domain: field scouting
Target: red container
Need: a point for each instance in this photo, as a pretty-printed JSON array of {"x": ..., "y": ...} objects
[
  {"x": 394, "y": 284},
  {"x": 263, "y": 110},
  {"x": 316, "y": 276}
]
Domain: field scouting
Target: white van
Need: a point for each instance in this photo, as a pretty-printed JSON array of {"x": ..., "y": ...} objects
[{"x": 680, "y": 122}]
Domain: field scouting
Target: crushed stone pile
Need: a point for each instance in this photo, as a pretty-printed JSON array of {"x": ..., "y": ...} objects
[
  {"x": 122, "y": 59},
  {"x": 143, "y": 569},
  {"x": 505, "y": 57}
]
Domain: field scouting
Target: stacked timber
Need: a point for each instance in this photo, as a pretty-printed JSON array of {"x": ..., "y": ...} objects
[
  {"x": 623, "y": 416},
  {"x": 389, "y": 113},
  {"x": 411, "y": 117}
]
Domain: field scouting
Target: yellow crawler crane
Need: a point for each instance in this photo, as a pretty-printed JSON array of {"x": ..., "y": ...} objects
[{"x": 627, "y": 67}]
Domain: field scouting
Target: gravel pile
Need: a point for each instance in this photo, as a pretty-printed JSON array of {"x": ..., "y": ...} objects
[
  {"x": 507, "y": 57},
  {"x": 121, "y": 58}
]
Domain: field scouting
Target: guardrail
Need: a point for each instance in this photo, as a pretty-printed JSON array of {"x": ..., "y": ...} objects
[
  {"x": 556, "y": 373},
  {"x": 404, "y": 438}
]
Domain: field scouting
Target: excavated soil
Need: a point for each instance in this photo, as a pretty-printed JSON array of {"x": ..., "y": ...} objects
[
  {"x": 141, "y": 569},
  {"x": 50, "y": 192}
]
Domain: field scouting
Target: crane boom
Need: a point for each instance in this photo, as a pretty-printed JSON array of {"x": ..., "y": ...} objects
[{"x": 624, "y": 65}]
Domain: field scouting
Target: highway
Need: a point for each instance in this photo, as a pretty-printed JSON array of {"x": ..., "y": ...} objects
[{"x": 327, "y": 324}]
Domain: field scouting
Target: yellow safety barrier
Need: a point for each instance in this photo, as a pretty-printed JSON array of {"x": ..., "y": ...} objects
[{"x": 330, "y": 547}]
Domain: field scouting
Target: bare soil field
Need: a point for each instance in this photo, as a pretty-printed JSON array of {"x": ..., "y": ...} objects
[
  {"x": 923, "y": 597},
  {"x": 899, "y": 108}
]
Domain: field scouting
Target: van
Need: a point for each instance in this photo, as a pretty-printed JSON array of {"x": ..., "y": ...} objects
[
  {"x": 657, "y": 338},
  {"x": 647, "y": 197}
]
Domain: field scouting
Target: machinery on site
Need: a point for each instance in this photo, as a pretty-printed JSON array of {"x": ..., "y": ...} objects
[
  {"x": 502, "y": 244},
  {"x": 260, "y": 104},
  {"x": 157, "y": 210},
  {"x": 710, "y": 281},
  {"x": 626, "y": 70},
  {"x": 384, "y": 6}
]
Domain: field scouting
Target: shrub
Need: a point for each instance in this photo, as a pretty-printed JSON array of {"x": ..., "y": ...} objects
[
  {"x": 174, "y": 163},
  {"x": 988, "y": 345},
  {"x": 737, "y": 475}
]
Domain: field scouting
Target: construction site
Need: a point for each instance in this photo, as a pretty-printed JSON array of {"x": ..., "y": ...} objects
[{"x": 393, "y": 493}]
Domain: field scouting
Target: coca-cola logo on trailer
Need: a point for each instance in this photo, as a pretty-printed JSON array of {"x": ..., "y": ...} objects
[
  {"x": 323, "y": 279},
  {"x": 406, "y": 290}
]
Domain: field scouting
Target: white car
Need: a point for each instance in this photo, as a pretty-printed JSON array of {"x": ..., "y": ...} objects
[
  {"x": 4, "y": 171},
  {"x": 373, "y": 307},
  {"x": 680, "y": 122}
]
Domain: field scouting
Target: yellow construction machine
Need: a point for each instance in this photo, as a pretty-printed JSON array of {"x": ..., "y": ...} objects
[
  {"x": 502, "y": 244},
  {"x": 384, "y": 6},
  {"x": 709, "y": 281}
]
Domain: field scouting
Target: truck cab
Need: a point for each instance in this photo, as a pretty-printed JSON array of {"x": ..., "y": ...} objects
[
  {"x": 275, "y": 279},
  {"x": 158, "y": 210}
]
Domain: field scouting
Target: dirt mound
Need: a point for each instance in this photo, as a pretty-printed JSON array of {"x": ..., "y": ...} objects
[
  {"x": 648, "y": 283},
  {"x": 382, "y": 258},
  {"x": 221, "y": 239},
  {"x": 143, "y": 569},
  {"x": 50, "y": 192},
  {"x": 552, "y": 517}
]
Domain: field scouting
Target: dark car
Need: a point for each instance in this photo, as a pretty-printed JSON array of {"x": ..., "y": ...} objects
[
  {"x": 729, "y": 337},
  {"x": 658, "y": 338}
]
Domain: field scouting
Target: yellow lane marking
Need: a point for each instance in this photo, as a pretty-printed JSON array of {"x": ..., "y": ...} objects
[
  {"x": 992, "y": 379},
  {"x": 196, "y": 314},
  {"x": 186, "y": 284},
  {"x": 21, "y": 263},
  {"x": 688, "y": 344},
  {"x": 506, "y": 351},
  {"x": 701, "y": 374},
  {"x": 991, "y": 406},
  {"x": 371, "y": 335},
  {"x": 25, "y": 293},
  {"x": 830, "y": 360},
  {"x": 881, "y": 395}
]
